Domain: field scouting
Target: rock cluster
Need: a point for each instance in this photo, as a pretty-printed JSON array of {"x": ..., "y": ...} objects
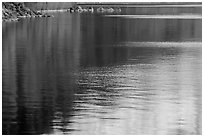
[
  {"x": 97, "y": 10},
  {"x": 13, "y": 11},
  {"x": 80, "y": 9}
]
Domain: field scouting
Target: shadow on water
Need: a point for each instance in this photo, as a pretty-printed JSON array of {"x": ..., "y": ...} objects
[
  {"x": 89, "y": 74},
  {"x": 40, "y": 74}
]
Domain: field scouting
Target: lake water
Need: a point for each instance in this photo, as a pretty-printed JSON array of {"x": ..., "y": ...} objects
[{"x": 98, "y": 74}]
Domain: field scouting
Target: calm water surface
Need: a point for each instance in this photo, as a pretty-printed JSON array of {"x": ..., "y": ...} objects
[{"x": 94, "y": 74}]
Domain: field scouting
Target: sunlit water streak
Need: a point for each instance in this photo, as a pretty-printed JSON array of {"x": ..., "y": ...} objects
[
  {"x": 158, "y": 16},
  {"x": 162, "y": 44},
  {"x": 162, "y": 6}
]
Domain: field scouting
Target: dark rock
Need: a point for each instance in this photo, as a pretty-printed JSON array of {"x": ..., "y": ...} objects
[{"x": 47, "y": 16}]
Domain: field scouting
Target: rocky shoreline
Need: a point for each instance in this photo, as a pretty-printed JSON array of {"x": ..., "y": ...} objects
[{"x": 13, "y": 11}]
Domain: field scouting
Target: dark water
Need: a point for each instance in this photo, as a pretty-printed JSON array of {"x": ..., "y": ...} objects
[{"x": 93, "y": 74}]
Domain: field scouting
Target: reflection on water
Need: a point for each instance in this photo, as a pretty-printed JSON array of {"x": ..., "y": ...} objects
[{"x": 91, "y": 74}]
